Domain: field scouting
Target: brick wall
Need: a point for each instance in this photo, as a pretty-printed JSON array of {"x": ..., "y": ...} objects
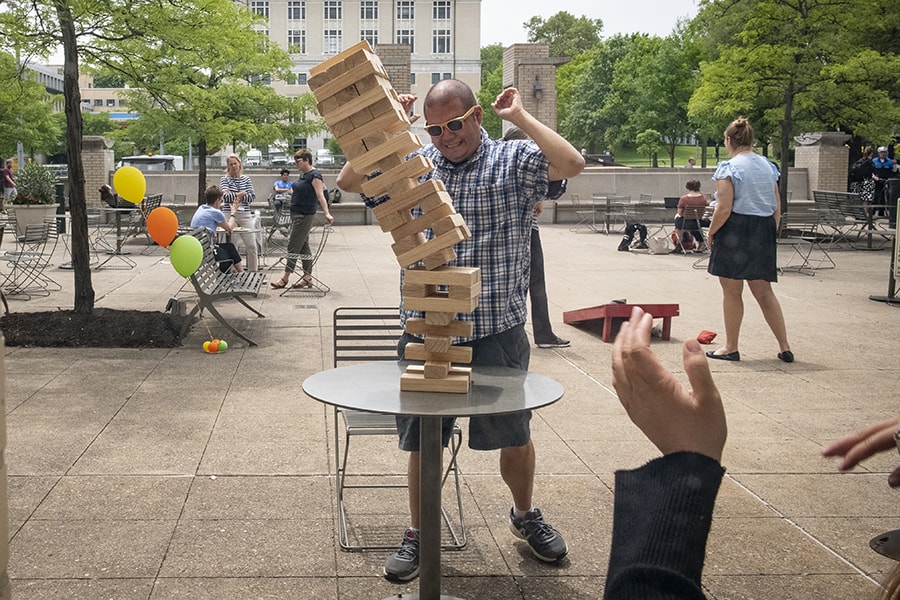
[
  {"x": 530, "y": 69},
  {"x": 98, "y": 162},
  {"x": 825, "y": 161},
  {"x": 396, "y": 61}
]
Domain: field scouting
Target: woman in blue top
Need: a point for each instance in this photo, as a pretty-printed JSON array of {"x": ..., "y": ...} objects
[{"x": 742, "y": 239}]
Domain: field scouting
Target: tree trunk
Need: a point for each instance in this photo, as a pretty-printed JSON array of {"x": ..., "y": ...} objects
[
  {"x": 201, "y": 179},
  {"x": 786, "y": 126},
  {"x": 84, "y": 290}
]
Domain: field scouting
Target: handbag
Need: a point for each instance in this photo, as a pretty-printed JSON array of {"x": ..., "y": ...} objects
[{"x": 658, "y": 245}]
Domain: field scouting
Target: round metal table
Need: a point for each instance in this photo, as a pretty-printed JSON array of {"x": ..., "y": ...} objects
[{"x": 375, "y": 387}]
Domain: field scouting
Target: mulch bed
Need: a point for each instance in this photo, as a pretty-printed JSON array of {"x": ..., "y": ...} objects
[{"x": 105, "y": 328}]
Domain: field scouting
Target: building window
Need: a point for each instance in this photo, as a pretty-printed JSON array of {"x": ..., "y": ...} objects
[
  {"x": 368, "y": 10},
  {"x": 297, "y": 41},
  {"x": 98, "y": 102},
  {"x": 412, "y": 79},
  {"x": 406, "y": 10},
  {"x": 110, "y": 101},
  {"x": 370, "y": 35},
  {"x": 301, "y": 78},
  {"x": 440, "y": 10},
  {"x": 260, "y": 7},
  {"x": 448, "y": 75},
  {"x": 405, "y": 36},
  {"x": 332, "y": 10},
  {"x": 440, "y": 41},
  {"x": 297, "y": 10},
  {"x": 435, "y": 77},
  {"x": 123, "y": 102},
  {"x": 333, "y": 43}
]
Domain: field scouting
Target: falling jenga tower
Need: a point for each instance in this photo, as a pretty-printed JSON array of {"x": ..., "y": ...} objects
[{"x": 364, "y": 113}]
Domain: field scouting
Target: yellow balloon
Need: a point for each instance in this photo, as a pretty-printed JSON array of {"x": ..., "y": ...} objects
[{"x": 130, "y": 184}]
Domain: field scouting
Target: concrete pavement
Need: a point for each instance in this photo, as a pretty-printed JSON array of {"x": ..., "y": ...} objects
[{"x": 174, "y": 474}]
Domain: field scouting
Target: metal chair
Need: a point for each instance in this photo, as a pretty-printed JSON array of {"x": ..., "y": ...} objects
[
  {"x": 587, "y": 217},
  {"x": 27, "y": 263},
  {"x": 318, "y": 237},
  {"x": 370, "y": 334},
  {"x": 803, "y": 238}
]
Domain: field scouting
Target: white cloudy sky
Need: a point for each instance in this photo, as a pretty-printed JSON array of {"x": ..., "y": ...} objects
[{"x": 501, "y": 20}]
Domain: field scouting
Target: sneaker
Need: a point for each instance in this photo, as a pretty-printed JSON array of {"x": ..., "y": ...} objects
[
  {"x": 546, "y": 543},
  {"x": 557, "y": 343},
  {"x": 641, "y": 246},
  {"x": 404, "y": 564}
]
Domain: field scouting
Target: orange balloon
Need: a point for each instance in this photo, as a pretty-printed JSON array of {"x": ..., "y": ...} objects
[
  {"x": 162, "y": 225},
  {"x": 214, "y": 346}
]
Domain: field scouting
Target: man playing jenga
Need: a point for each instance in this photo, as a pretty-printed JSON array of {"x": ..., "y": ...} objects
[{"x": 494, "y": 186}]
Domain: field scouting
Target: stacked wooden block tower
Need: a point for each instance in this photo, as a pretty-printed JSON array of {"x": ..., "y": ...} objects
[{"x": 365, "y": 115}]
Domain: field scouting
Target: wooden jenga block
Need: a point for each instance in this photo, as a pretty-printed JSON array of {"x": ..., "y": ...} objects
[
  {"x": 400, "y": 145},
  {"x": 328, "y": 69},
  {"x": 417, "y": 290},
  {"x": 450, "y": 276},
  {"x": 454, "y": 383},
  {"x": 438, "y": 344},
  {"x": 415, "y": 197},
  {"x": 371, "y": 97},
  {"x": 430, "y": 247},
  {"x": 457, "y": 354},
  {"x": 409, "y": 169},
  {"x": 408, "y": 244},
  {"x": 394, "y": 220},
  {"x": 439, "y": 319},
  {"x": 386, "y": 124},
  {"x": 424, "y": 222},
  {"x": 439, "y": 259},
  {"x": 462, "y": 292},
  {"x": 357, "y": 77},
  {"x": 436, "y": 370},
  {"x": 441, "y": 302},
  {"x": 455, "y": 327}
]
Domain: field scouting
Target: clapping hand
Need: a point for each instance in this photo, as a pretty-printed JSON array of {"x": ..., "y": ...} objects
[
  {"x": 672, "y": 416},
  {"x": 864, "y": 443}
]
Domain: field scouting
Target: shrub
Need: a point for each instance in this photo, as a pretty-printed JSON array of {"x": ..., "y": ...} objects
[{"x": 35, "y": 185}]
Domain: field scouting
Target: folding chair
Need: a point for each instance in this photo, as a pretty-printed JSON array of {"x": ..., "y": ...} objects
[
  {"x": 318, "y": 237},
  {"x": 586, "y": 216},
  {"x": 26, "y": 277},
  {"x": 803, "y": 239},
  {"x": 370, "y": 334}
]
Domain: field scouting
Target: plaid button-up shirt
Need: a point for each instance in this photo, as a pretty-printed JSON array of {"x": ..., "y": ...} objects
[{"x": 495, "y": 192}]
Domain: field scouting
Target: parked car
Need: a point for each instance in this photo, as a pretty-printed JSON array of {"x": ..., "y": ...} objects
[{"x": 324, "y": 157}]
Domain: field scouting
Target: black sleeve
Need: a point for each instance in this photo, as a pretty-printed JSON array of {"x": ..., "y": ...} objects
[{"x": 661, "y": 520}]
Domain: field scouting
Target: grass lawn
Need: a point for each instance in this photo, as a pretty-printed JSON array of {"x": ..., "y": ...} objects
[{"x": 631, "y": 158}]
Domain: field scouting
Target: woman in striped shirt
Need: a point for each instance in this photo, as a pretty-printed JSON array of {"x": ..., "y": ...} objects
[{"x": 238, "y": 194}]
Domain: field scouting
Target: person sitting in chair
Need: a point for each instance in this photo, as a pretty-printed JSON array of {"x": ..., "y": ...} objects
[
  {"x": 694, "y": 204},
  {"x": 210, "y": 215}
]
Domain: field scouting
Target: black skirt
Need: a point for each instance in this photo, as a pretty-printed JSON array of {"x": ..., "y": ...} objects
[{"x": 745, "y": 248}]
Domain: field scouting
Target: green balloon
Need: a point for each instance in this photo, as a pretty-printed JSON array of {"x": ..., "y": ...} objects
[
  {"x": 223, "y": 345},
  {"x": 186, "y": 254}
]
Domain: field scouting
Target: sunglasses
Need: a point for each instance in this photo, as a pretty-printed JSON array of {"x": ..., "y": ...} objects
[{"x": 437, "y": 130}]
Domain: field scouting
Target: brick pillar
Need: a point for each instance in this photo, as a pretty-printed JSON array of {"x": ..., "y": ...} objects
[
  {"x": 396, "y": 61},
  {"x": 5, "y": 591},
  {"x": 531, "y": 70},
  {"x": 99, "y": 161},
  {"x": 825, "y": 158}
]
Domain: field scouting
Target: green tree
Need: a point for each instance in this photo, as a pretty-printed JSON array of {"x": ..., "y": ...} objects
[
  {"x": 491, "y": 86},
  {"x": 565, "y": 34},
  {"x": 649, "y": 143},
  {"x": 583, "y": 86},
  {"x": 651, "y": 88},
  {"x": 196, "y": 80},
  {"x": 794, "y": 66},
  {"x": 26, "y": 112}
]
